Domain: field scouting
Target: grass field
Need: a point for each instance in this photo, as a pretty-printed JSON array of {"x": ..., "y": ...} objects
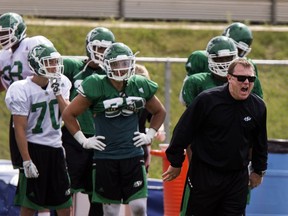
[{"x": 70, "y": 40}]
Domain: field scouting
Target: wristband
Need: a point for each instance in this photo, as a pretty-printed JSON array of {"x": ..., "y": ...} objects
[
  {"x": 79, "y": 136},
  {"x": 151, "y": 133}
]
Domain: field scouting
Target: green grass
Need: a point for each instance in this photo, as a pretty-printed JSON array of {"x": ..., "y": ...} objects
[{"x": 176, "y": 43}]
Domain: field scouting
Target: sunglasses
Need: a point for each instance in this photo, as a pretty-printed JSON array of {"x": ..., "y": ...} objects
[{"x": 241, "y": 78}]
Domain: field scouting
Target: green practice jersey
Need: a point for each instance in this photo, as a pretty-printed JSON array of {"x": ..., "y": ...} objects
[
  {"x": 116, "y": 113},
  {"x": 196, "y": 63},
  {"x": 73, "y": 69},
  {"x": 199, "y": 82}
]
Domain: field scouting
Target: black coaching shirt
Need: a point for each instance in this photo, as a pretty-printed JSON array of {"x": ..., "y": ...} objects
[{"x": 221, "y": 130}]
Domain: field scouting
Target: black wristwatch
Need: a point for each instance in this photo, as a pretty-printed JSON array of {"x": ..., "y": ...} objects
[{"x": 260, "y": 173}]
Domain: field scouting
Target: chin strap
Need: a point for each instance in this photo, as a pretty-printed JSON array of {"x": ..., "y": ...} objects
[{"x": 83, "y": 70}]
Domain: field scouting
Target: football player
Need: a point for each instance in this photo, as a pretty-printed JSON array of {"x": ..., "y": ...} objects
[
  {"x": 80, "y": 170},
  {"x": 115, "y": 100},
  {"x": 14, "y": 64},
  {"x": 36, "y": 104},
  {"x": 241, "y": 35},
  {"x": 221, "y": 51}
]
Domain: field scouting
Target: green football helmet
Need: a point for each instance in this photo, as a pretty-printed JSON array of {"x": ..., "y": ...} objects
[
  {"x": 197, "y": 62},
  {"x": 12, "y": 29},
  {"x": 97, "y": 40},
  {"x": 242, "y": 37},
  {"x": 119, "y": 62},
  {"x": 45, "y": 61},
  {"x": 221, "y": 51}
]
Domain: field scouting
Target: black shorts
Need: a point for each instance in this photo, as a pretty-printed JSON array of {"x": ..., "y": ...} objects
[
  {"x": 210, "y": 191},
  {"x": 52, "y": 187},
  {"x": 119, "y": 181},
  {"x": 79, "y": 162}
]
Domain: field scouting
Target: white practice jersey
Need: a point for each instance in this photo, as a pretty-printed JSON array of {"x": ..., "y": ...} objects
[
  {"x": 26, "y": 98},
  {"x": 14, "y": 66}
]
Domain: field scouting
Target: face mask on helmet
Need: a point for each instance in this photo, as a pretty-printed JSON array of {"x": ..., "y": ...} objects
[
  {"x": 121, "y": 68},
  {"x": 243, "y": 49},
  {"x": 97, "y": 42},
  {"x": 12, "y": 30},
  {"x": 46, "y": 61},
  {"x": 221, "y": 51},
  {"x": 241, "y": 36},
  {"x": 119, "y": 62}
]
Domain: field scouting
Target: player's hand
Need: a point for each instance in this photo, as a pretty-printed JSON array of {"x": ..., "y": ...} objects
[
  {"x": 90, "y": 143},
  {"x": 30, "y": 170},
  {"x": 94, "y": 143},
  {"x": 56, "y": 85},
  {"x": 142, "y": 138}
]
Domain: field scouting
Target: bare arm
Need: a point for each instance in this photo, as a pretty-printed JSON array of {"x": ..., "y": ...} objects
[
  {"x": 77, "y": 106},
  {"x": 20, "y": 125},
  {"x": 155, "y": 107},
  {"x": 62, "y": 103}
]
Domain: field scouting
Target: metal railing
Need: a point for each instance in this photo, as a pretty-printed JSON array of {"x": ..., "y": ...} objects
[
  {"x": 167, "y": 84},
  {"x": 167, "y": 61}
]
